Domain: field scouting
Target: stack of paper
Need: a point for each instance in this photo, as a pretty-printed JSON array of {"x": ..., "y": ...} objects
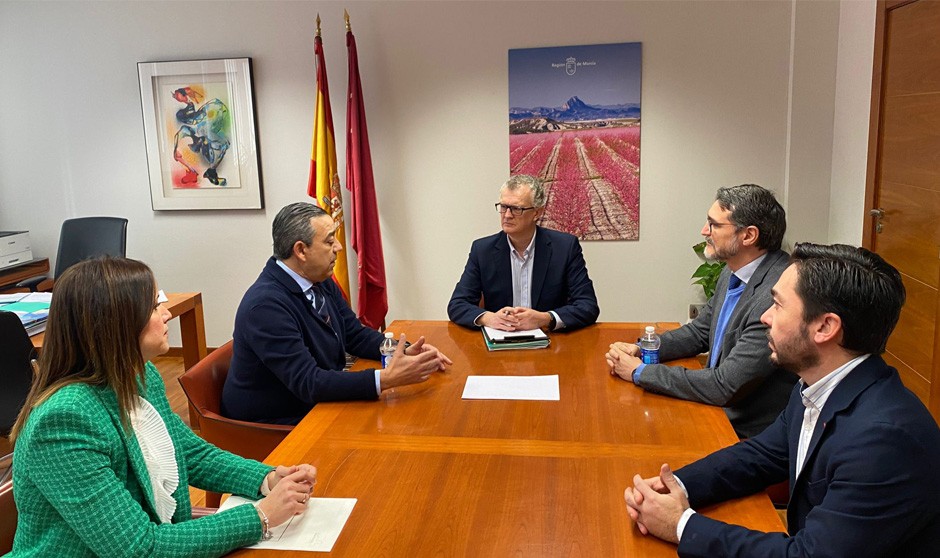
[
  {"x": 497, "y": 340},
  {"x": 32, "y": 309}
]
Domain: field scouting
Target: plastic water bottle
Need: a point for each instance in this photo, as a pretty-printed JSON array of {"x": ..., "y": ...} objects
[
  {"x": 388, "y": 346},
  {"x": 649, "y": 346}
]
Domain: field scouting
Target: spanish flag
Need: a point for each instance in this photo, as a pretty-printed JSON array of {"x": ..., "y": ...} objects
[{"x": 323, "y": 183}]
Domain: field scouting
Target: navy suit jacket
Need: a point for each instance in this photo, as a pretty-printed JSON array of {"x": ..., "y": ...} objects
[
  {"x": 560, "y": 280},
  {"x": 286, "y": 358},
  {"x": 870, "y": 485}
]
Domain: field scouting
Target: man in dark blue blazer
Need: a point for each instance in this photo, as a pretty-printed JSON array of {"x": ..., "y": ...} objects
[
  {"x": 293, "y": 329},
  {"x": 860, "y": 450},
  {"x": 528, "y": 277}
]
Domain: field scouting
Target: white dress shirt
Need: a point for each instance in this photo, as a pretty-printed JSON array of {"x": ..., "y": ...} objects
[{"x": 814, "y": 398}]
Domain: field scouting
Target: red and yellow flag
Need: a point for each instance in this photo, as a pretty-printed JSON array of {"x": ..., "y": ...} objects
[{"x": 323, "y": 183}]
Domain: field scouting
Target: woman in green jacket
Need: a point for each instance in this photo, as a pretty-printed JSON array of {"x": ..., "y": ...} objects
[{"x": 102, "y": 465}]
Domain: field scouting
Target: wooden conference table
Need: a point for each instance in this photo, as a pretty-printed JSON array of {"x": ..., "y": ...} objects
[
  {"x": 188, "y": 308},
  {"x": 439, "y": 476}
]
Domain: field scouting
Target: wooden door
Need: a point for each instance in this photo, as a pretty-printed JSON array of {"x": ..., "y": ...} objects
[{"x": 904, "y": 182}]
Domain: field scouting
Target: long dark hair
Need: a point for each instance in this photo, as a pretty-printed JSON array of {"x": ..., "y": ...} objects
[{"x": 99, "y": 309}]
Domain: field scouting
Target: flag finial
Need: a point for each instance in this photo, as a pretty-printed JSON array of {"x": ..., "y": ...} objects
[
  {"x": 318, "y": 24},
  {"x": 346, "y": 17}
]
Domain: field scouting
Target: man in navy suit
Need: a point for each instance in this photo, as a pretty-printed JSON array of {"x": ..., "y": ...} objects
[
  {"x": 860, "y": 450},
  {"x": 528, "y": 277},
  {"x": 293, "y": 329}
]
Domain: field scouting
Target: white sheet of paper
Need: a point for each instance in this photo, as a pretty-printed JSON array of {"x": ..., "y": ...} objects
[
  {"x": 37, "y": 297},
  {"x": 499, "y": 335},
  {"x": 528, "y": 388},
  {"x": 315, "y": 530}
]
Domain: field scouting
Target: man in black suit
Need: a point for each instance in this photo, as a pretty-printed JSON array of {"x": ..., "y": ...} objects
[
  {"x": 528, "y": 277},
  {"x": 860, "y": 450},
  {"x": 293, "y": 329}
]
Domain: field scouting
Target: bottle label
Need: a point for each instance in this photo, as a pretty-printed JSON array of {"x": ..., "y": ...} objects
[
  {"x": 650, "y": 356},
  {"x": 385, "y": 360}
]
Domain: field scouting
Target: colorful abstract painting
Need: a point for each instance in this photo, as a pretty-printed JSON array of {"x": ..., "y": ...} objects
[
  {"x": 574, "y": 122},
  {"x": 199, "y": 135}
]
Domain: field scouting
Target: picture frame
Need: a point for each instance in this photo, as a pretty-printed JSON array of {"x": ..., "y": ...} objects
[{"x": 200, "y": 134}]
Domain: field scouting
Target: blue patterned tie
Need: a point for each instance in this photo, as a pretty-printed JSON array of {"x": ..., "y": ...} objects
[{"x": 319, "y": 303}]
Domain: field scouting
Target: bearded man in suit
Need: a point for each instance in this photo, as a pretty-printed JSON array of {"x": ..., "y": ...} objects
[{"x": 861, "y": 451}]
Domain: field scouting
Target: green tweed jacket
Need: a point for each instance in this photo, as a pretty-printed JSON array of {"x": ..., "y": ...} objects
[{"x": 82, "y": 487}]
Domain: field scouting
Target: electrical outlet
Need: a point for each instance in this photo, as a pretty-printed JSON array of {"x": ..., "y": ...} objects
[{"x": 695, "y": 310}]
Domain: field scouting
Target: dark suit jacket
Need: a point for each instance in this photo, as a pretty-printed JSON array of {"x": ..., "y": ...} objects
[
  {"x": 286, "y": 358},
  {"x": 751, "y": 389},
  {"x": 560, "y": 280},
  {"x": 870, "y": 485}
]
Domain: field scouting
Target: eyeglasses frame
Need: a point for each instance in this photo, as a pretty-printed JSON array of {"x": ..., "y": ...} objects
[{"x": 515, "y": 211}]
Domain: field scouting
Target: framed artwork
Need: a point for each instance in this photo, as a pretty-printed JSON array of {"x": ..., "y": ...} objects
[
  {"x": 199, "y": 127},
  {"x": 574, "y": 122}
]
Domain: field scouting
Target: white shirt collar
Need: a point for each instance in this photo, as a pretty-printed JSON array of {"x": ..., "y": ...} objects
[
  {"x": 303, "y": 282},
  {"x": 817, "y": 394},
  {"x": 747, "y": 271},
  {"x": 528, "y": 248}
]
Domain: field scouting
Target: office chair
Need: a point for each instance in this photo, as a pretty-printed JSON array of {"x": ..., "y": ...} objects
[
  {"x": 779, "y": 494},
  {"x": 8, "y": 517},
  {"x": 203, "y": 387},
  {"x": 16, "y": 375},
  {"x": 83, "y": 238}
]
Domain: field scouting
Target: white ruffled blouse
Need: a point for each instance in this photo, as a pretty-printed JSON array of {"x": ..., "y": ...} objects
[{"x": 159, "y": 455}]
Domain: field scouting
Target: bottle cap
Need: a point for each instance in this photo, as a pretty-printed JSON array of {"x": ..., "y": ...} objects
[
  {"x": 389, "y": 335},
  {"x": 650, "y": 329}
]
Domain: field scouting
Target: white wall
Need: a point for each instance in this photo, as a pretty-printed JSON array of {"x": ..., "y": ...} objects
[
  {"x": 851, "y": 125},
  {"x": 809, "y": 143},
  {"x": 732, "y": 92}
]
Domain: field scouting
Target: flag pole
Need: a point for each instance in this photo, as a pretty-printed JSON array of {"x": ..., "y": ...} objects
[
  {"x": 346, "y": 17},
  {"x": 318, "y": 24}
]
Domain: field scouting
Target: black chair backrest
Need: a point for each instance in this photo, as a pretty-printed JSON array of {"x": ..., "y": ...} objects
[
  {"x": 16, "y": 373},
  {"x": 86, "y": 237}
]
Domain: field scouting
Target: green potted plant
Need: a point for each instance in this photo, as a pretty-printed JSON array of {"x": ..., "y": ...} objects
[{"x": 707, "y": 273}]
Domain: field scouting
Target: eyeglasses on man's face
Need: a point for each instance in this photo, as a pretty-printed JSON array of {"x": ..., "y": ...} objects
[
  {"x": 712, "y": 225},
  {"x": 513, "y": 209}
]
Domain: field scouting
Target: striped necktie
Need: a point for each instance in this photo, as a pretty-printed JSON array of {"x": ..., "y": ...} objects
[{"x": 318, "y": 299}]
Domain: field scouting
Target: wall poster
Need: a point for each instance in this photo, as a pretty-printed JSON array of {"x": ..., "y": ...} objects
[{"x": 574, "y": 122}]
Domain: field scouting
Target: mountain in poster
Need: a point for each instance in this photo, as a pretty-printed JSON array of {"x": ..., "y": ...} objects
[{"x": 575, "y": 114}]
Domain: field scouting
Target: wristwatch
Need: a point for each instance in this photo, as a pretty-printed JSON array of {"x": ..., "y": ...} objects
[{"x": 551, "y": 321}]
